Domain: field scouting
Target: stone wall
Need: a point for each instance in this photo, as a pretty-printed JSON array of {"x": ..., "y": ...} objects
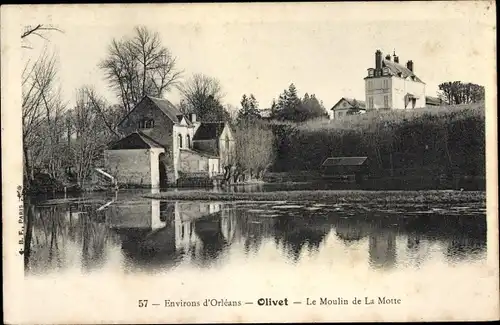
[
  {"x": 192, "y": 162},
  {"x": 131, "y": 167},
  {"x": 209, "y": 146}
]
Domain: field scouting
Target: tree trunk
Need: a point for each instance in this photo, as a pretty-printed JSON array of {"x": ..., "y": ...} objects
[{"x": 27, "y": 166}]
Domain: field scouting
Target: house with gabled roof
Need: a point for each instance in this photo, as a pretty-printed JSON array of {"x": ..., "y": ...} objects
[
  {"x": 347, "y": 106},
  {"x": 160, "y": 144},
  {"x": 391, "y": 85}
]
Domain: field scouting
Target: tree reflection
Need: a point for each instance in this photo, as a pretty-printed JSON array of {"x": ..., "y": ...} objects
[
  {"x": 54, "y": 233},
  {"x": 296, "y": 233},
  {"x": 152, "y": 234}
]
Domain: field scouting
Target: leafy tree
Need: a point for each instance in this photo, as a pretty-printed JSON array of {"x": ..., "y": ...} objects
[
  {"x": 456, "y": 92},
  {"x": 249, "y": 109},
  {"x": 288, "y": 104},
  {"x": 291, "y": 108},
  {"x": 311, "y": 108},
  {"x": 139, "y": 66}
]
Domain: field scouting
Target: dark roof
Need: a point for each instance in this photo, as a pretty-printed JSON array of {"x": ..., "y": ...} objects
[
  {"x": 164, "y": 106},
  {"x": 344, "y": 161},
  {"x": 432, "y": 100},
  {"x": 398, "y": 70},
  {"x": 209, "y": 131},
  {"x": 168, "y": 109},
  {"x": 135, "y": 140},
  {"x": 355, "y": 103}
]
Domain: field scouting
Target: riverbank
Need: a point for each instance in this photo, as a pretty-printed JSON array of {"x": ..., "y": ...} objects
[{"x": 379, "y": 197}]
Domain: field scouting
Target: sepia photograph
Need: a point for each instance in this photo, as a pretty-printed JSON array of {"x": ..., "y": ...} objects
[{"x": 251, "y": 162}]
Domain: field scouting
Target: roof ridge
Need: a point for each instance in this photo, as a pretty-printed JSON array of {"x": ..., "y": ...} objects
[{"x": 147, "y": 137}]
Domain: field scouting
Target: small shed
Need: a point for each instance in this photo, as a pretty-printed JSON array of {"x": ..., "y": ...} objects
[
  {"x": 136, "y": 159},
  {"x": 345, "y": 166}
]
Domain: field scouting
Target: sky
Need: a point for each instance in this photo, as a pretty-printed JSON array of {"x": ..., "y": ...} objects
[{"x": 323, "y": 48}]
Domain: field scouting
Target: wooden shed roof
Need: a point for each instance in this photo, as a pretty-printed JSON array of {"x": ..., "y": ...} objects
[{"x": 344, "y": 161}]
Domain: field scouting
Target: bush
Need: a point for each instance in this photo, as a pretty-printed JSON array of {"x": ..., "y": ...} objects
[
  {"x": 254, "y": 147},
  {"x": 440, "y": 140}
]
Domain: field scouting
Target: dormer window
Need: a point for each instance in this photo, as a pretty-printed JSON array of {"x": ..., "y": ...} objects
[
  {"x": 146, "y": 124},
  {"x": 370, "y": 72},
  {"x": 386, "y": 71}
]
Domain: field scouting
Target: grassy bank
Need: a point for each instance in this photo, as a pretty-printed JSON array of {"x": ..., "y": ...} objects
[
  {"x": 379, "y": 197},
  {"x": 430, "y": 141}
]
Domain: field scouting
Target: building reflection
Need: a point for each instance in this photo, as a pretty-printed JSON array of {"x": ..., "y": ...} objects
[
  {"x": 158, "y": 233},
  {"x": 152, "y": 234},
  {"x": 382, "y": 249}
]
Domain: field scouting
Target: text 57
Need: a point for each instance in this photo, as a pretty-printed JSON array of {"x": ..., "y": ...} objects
[{"x": 143, "y": 303}]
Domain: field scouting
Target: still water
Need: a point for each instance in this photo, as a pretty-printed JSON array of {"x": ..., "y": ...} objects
[
  {"x": 131, "y": 234},
  {"x": 92, "y": 258}
]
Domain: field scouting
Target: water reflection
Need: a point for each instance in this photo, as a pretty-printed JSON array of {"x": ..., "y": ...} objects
[{"x": 134, "y": 234}]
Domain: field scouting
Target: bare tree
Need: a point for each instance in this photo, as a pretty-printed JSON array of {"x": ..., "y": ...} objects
[
  {"x": 139, "y": 66},
  {"x": 39, "y": 30},
  {"x": 91, "y": 135},
  {"x": 254, "y": 147},
  {"x": 108, "y": 114},
  {"x": 203, "y": 95},
  {"x": 41, "y": 111}
]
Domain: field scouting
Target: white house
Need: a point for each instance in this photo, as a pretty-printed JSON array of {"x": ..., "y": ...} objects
[
  {"x": 391, "y": 85},
  {"x": 161, "y": 144},
  {"x": 347, "y": 106}
]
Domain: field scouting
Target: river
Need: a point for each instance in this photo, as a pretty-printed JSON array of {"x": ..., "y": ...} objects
[{"x": 323, "y": 248}]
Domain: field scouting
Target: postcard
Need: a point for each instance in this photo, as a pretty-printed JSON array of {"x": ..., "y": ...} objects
[{"x": 249, "y": 162}]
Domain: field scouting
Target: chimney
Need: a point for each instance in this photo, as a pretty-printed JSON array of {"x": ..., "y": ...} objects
[
  {"x": 396, "y": 58},
  {"x": 388, "y": 57},
  {"x": 193, "y": 117},
  {"x": 378, "y": 60},
  {"x": 409, "y": 65}
]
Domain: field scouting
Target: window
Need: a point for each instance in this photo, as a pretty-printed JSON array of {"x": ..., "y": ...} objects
[
  {"x": 386, "y": 84},
  {"x": 340, "y": 114},
  {"x": 370, "y": 73},
  {"x": 370, "y": 102},
  {"x": 145, "y": 124},
  {"x": 179, "y": 136},
  {"x": 188, "y": 141},
  {"x": 386, "y": 101}
]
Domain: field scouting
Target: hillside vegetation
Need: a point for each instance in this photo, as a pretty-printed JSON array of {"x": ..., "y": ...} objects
[{"x": 446, "y": 140}]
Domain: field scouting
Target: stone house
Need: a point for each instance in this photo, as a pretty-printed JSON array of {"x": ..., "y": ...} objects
[
  {"x": 347, "y": 106},
  {"x": 391, "y": 85},
  {"x": 161, "y": 145}
]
